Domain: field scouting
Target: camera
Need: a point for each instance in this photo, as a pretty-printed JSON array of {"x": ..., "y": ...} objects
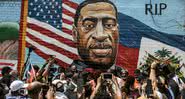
[{"x": 106, "y": 75}]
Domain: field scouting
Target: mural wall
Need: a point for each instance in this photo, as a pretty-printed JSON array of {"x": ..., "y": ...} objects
[
  {"x": 141, "y": 29},
  {"x": 9, "y": 33}
]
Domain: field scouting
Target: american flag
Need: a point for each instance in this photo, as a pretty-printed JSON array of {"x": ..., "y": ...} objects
[
  {"x": 4, "y": 63},
  {"x": 29, "y": 73},
  {"x": 49, "y": 29}
]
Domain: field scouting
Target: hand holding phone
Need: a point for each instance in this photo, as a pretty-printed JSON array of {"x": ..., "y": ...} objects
[{"x": 107, "y": 75}]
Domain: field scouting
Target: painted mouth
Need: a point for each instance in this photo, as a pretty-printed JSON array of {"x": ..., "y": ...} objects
[
  {"x": 101, "y": 49},
  {"x": 101, "y": 52}
]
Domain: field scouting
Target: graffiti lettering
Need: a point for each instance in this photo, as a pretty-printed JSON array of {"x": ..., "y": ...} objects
[{"x": 155, "y": 9}]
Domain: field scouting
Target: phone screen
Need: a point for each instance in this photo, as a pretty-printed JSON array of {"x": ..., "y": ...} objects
[{"x": 107, "y": 76}]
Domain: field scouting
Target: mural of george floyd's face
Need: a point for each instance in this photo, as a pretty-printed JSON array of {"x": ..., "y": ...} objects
[{"x": 97, "y": 35}]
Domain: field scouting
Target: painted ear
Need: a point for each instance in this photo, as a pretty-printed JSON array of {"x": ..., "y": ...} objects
[{"x": 74, "y": 33}]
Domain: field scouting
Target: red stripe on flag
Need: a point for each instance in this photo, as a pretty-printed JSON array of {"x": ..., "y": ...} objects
[
  {"x": 46, "y": 56},
  {"x": 6, "y": 64},
  {"x": 127, "y": 58},
  {"x": 70, "y": 3},
  {"x": 67, "y": 12},
  {"x": 67, "y": 21},
  {"x": 65, "y": 30},
  {"x": 52, "y": 47},
  {"x": 51, "y": 34}
]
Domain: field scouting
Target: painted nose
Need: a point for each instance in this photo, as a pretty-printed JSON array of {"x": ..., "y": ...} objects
[{"x": 100, "y": 34}]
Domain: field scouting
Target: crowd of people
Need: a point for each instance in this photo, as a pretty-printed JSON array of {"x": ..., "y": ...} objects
[{"x": 71, "y": 83}]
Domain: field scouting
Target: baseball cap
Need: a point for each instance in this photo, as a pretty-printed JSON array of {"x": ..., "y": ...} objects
[
  {"x": 17, "y": 84},
  {"x": 58, "y": 81}
]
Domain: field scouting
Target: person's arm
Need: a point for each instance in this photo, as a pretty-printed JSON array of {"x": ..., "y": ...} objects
[
  {"x": 39, "y": 75},
  {"x": 97, "y": 88},
  {"x": 50, "y": 63},
  {"x": 152, "y": 76},
  {"x": 45, "y": 73},
  {"x": 45, "y": 68},
  {"x": 41, "y": 94},
  {"x": 42, "y": 69},
  {"x": 115, "y": 88},
  {"x": 50, "y": 94}
]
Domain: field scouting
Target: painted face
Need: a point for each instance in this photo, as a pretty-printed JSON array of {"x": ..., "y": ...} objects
[{"x": 97, "y": 35}]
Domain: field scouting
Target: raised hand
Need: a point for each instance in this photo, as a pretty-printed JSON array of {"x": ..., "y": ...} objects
[{"x": 154, "y": 64}]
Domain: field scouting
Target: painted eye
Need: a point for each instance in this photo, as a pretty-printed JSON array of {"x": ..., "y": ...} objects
[
  {"x": 89, "y": 23},
  {"x": 109, "y": 23},
  {"x": 89, "y": 26},
  {"x": 109, "y": 26}
]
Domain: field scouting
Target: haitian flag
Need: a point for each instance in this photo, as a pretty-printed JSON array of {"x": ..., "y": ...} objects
[{"x": 132, "y": 32}]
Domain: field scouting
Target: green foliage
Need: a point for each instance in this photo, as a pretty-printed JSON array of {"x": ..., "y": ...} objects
[
  {"x": 161, "y": 54},
  {"x": 164, "y": 56},
  {"x": 9, "y": 31}
]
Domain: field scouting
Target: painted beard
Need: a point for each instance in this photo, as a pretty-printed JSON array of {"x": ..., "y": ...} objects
[{"x": 99, "y": 55}]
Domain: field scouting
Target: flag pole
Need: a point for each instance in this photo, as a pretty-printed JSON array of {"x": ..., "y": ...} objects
[{"x": 28, "y": 57}]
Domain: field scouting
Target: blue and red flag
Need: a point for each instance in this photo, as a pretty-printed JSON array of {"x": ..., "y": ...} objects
[{"x": 131, "y": 33}]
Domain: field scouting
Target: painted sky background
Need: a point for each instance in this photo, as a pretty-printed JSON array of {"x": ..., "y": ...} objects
[
  {"x": 10, "y": 11},
  {"x": 168, "y": 22}
]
